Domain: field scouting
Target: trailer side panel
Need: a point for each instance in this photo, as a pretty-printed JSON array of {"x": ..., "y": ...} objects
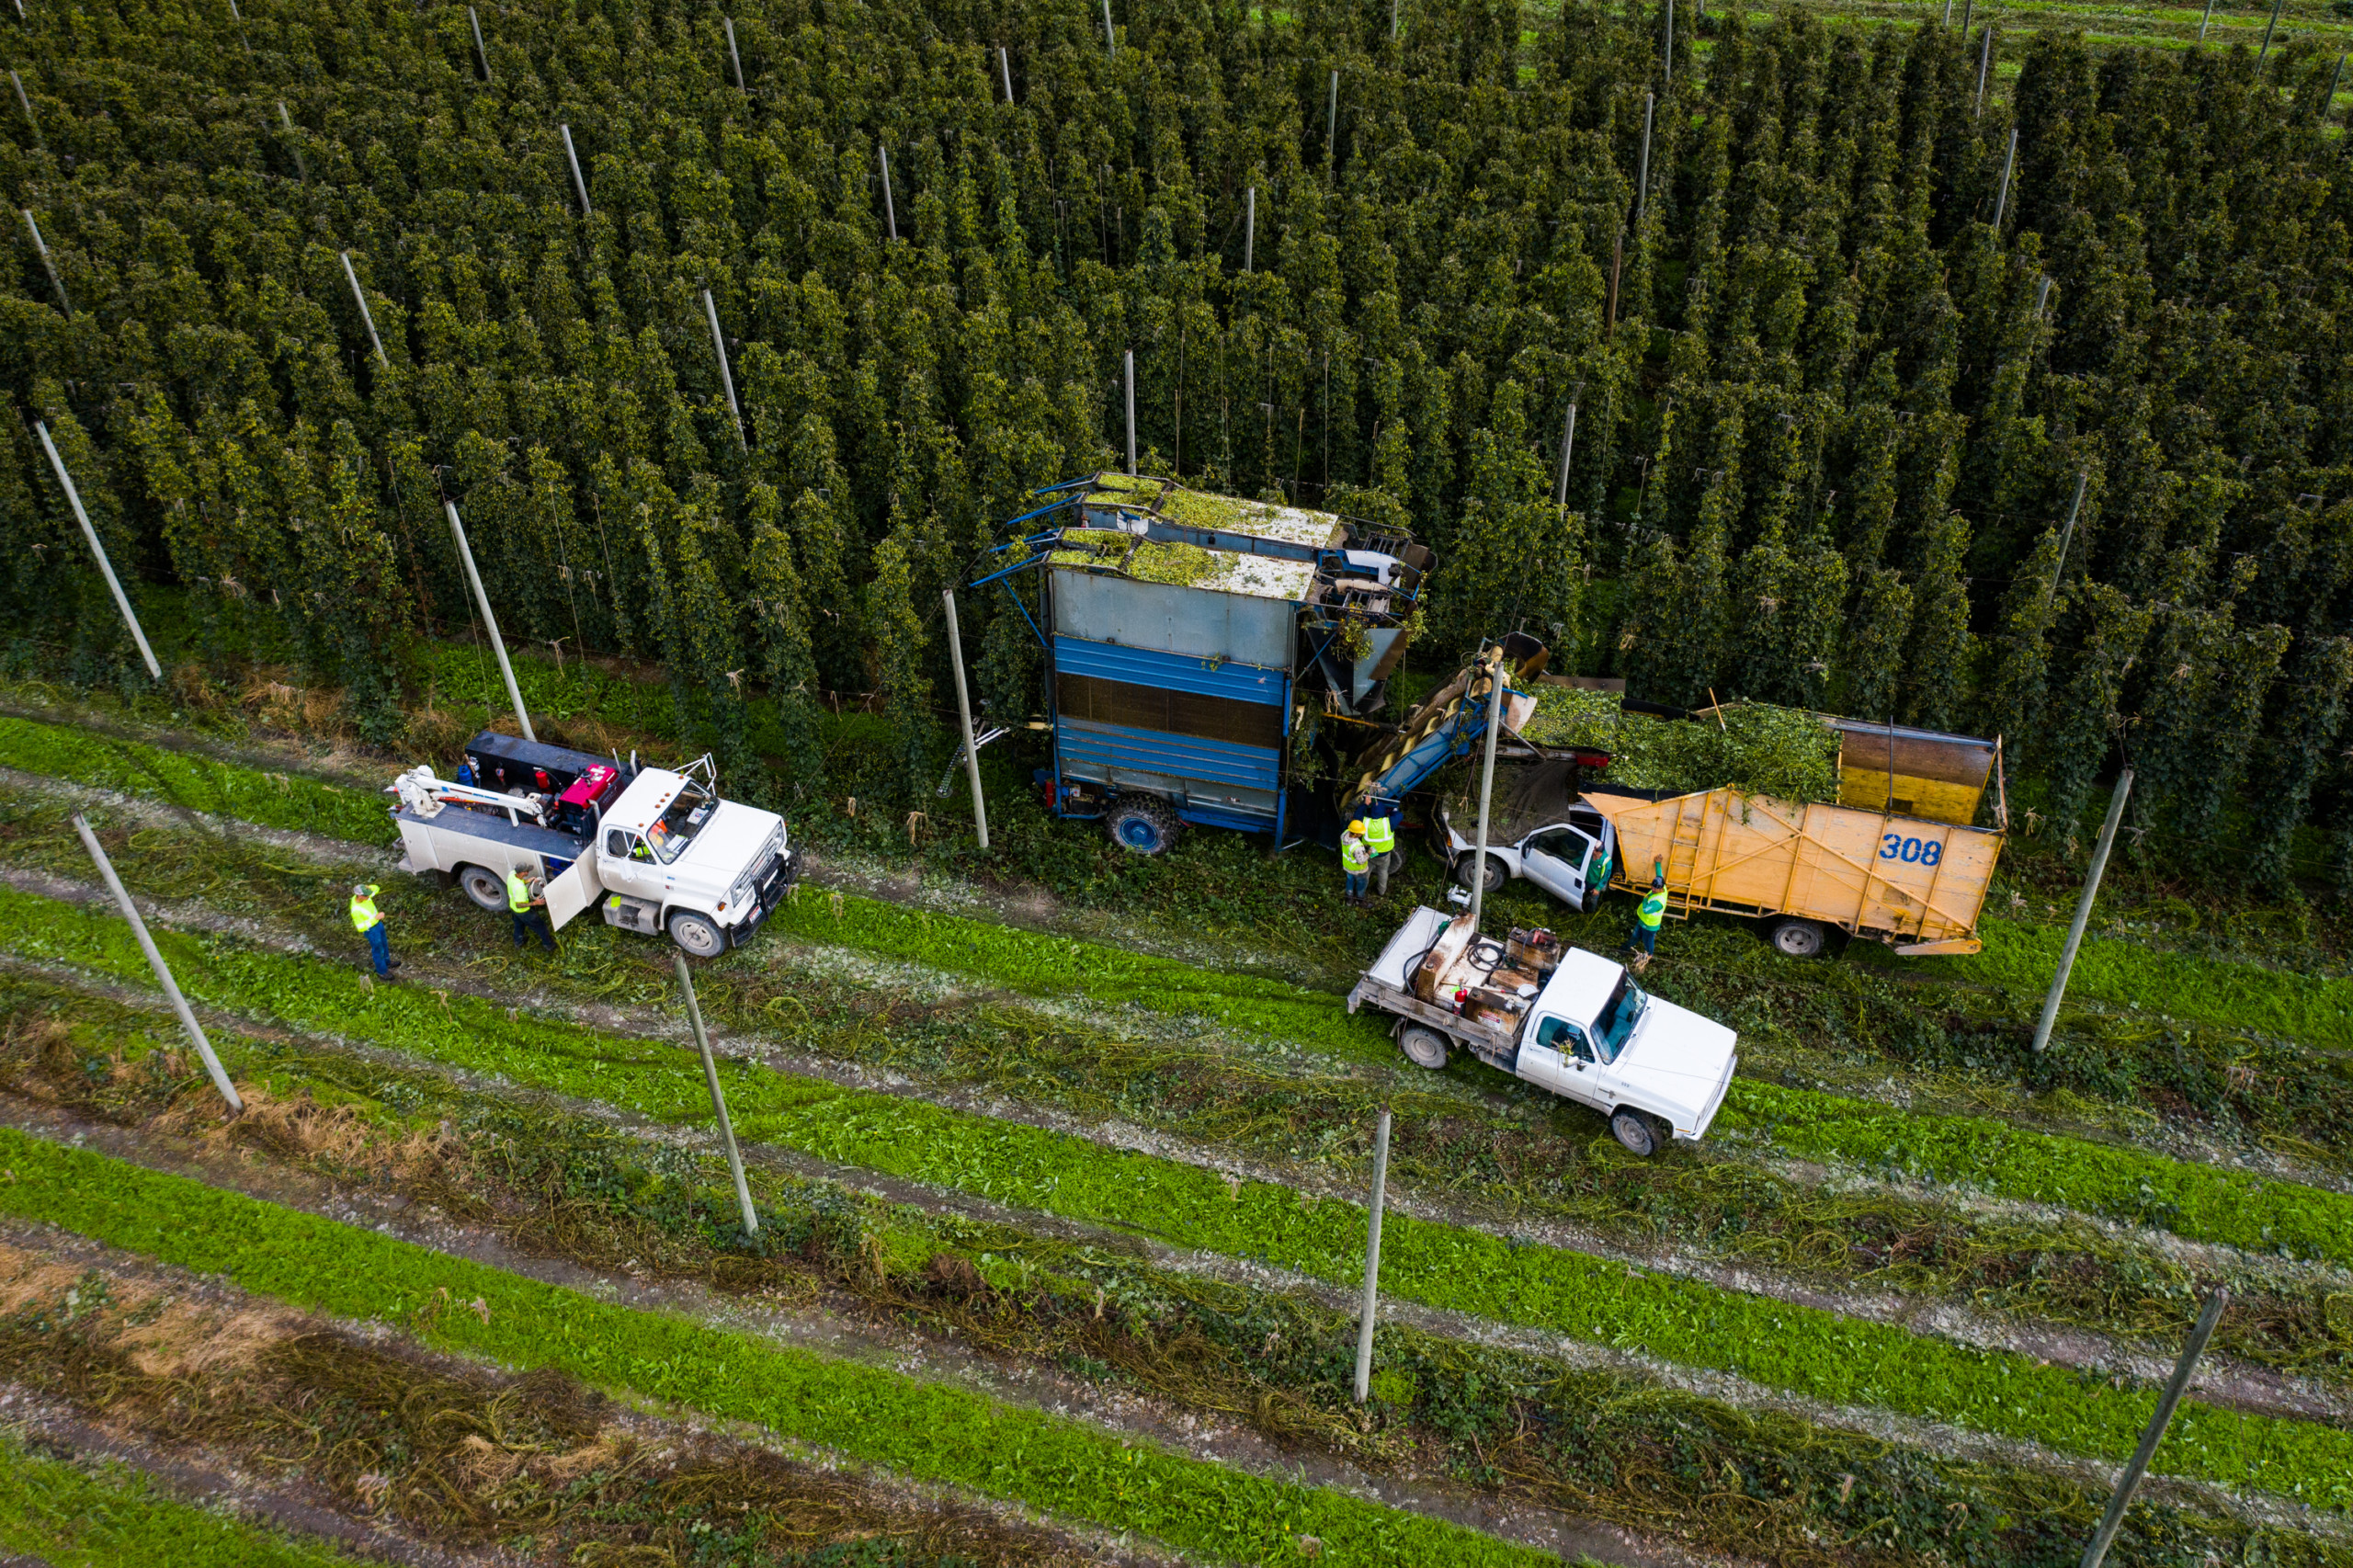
[{"x": 1898, "y": 877}]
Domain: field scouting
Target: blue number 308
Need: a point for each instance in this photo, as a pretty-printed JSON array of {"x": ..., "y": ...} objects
[{"x": 1921, "y": 851}]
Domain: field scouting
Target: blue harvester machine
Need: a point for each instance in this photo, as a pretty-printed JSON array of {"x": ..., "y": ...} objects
[{"x": 1195, "y": 644}]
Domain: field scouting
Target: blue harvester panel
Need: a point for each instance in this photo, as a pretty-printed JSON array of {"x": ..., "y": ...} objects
[
  {"x": 1210, "y": 778},
  {"x": 1173, "y": 672}
]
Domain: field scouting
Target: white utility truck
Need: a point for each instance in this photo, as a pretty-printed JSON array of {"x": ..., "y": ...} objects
[
  {"x": 1564, "y": 1019},
  {"x": 657, "y": 849}
]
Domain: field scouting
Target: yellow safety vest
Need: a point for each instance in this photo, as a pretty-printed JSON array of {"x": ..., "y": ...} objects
[
  {"x": 1378, "y": 836},
  {"x": 1354, "y": 859},
  {"x": 518, "y": 894},
  {"x": 363, "y": 912},
  {"x": 1653, "y": 908}
]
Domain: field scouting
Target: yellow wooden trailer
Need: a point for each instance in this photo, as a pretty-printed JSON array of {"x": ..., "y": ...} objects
[{"x": 1905, "y": 880}]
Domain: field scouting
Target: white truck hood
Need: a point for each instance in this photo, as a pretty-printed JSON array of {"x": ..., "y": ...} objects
[
  {"x": 728, "y": 846},
  {"x": 1682, "y": 1061}
]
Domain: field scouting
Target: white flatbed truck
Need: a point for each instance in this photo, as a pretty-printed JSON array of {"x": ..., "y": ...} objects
[
  {"x": 657, "y": 850},
  {"x": 1564, "y": 1019}
]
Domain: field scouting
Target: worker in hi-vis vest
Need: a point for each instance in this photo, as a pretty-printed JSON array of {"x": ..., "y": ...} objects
[
  {"x": 369, "y": 923},
  {"x": 1356, "y": 860},
  {"x": 1652, "y": 910},
  {"x": 1381, "y": 841},
  {"x": 525, "y": 906}
]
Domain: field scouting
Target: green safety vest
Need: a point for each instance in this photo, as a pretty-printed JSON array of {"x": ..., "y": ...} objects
[
  {"x": 1354, "y": 859},
  {"x": 1378, "y": 836},
  {"x": 518, "y": 894},
  {"x": 1600, "y": 877},
  {"x": 1653, "y": 908},
  {"x": 363, "y": 911}
]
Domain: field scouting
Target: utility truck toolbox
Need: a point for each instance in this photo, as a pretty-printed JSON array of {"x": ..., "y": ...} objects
[
  {"x": 657, "y": 850},
  {"x": 1564, "y": 1019}
]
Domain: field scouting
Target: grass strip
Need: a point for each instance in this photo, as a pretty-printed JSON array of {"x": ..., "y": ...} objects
[
  {"x": 1036, "y": 963},
  {"x": 2229, "y": 996},
  {"x": 1803, "y": 1349},
  {"x": 76, "y": 1517},
  {"x": 927, "y": 1431},
  {"x": 2202, "y": 1203},
  {"x": 198, "y": 783}
]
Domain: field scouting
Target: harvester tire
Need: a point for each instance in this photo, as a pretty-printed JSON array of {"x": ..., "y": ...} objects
[{"x": 1146, "y": 824}]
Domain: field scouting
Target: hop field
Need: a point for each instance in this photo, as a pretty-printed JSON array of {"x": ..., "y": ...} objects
[{"x": 1975, "y": 373}]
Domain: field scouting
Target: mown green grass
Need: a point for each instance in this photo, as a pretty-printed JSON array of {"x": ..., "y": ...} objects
[
  {"x": 1808, "y": 1351},
  {"x": 2202, "y": 1203},
  {"x": 111, "y": 1517},
  {"x": 2182, "y": 985},
  {"x": 181, "y": 778},
  {"x": 925, "y": 1431},
  {"x": 1038, "y": 964}
]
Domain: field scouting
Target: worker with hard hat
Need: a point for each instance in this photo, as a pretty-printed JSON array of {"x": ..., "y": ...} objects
[
  {"x": 1356, "y": 860},
  {"x": 525, "y": 906},
  {"x": 369, "y": 923},
  {"x": 1647, "y": 915},
  {"x": 1380, "y": 841}
]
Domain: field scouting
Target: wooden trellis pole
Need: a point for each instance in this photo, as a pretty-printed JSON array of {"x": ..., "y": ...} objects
[
  {"x": 212, "y": 1067},
  {"x": 121, "y": 599},
  {"x": 367, "y": 316},
  {"x": 579, "y": 186}
]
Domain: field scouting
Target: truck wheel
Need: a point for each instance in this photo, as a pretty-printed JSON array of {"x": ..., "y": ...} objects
[
  {"x": 1635, "y": 1130},
  {"x": 1497, "y": 873},
  {"x": 1144, "y": 823},
  {"x": 1798, "y": 939},
  {"x": 1423, "y": 1047},
  {"x": 698, "y": 936},
  {"x": 485, "y": 887}
]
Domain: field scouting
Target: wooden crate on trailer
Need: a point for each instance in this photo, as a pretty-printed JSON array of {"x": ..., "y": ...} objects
[{"x": 1916, "y": 883}]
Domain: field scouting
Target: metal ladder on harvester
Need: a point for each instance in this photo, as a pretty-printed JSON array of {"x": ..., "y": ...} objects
[{"x": 1683, "y": 853}]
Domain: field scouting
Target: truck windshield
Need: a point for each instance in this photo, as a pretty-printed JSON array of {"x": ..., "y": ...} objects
[
  {"x": 680, "y": 822},
  {"x": 1615, "y": 1024}
]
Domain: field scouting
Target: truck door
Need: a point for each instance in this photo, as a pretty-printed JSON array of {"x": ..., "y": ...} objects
[
  {"x": 623, "y": 864},
  {"x": 577, "y": 888},
  {"x": 1554, "y": 859},
  {"x": 1556, "y": 1057}
]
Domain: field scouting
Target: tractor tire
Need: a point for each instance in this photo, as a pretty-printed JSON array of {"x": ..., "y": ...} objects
[
  {"x": 1637, "y": 1131},
  {"x": 698, "y": 936},
  {"x": 1497, "y": 873},
  {"x": 485, "y": 886},
  {"x": 1145, "y": 824},
  {"x": 1422, "y": 1046},
  {"x": 1799, "y": 938}
]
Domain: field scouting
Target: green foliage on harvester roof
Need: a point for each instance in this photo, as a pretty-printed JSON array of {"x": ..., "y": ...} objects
[{"x": 1755, "y": 747}]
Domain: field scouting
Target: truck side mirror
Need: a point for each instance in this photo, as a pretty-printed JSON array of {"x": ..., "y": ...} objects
[{"x": 617, "y": 845}]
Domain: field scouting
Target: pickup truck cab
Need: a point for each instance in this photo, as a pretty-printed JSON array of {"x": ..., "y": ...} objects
[
  {"x": 1569, "y": 1021},
  {"x": 657, "y": 849},
  {"x": 1538, "y": 828}
]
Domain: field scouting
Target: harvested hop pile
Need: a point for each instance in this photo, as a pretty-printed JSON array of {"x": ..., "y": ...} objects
[{"x": 1758, "y": 749}]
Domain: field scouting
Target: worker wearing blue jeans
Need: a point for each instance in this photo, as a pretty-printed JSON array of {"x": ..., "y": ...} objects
[
  {"x": 369, "y": 923},
  {"x": 525, "y": 908},
  {"x": 1355, "y": 861},
  {"x": 1647, "y": 917}
]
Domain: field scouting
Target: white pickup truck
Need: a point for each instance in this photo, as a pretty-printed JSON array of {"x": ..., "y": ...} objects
[
  {"x": 1539, "y": 828},
  {"x": 657, "y": 849},
  {"x": 1564, "y": 1019}
]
